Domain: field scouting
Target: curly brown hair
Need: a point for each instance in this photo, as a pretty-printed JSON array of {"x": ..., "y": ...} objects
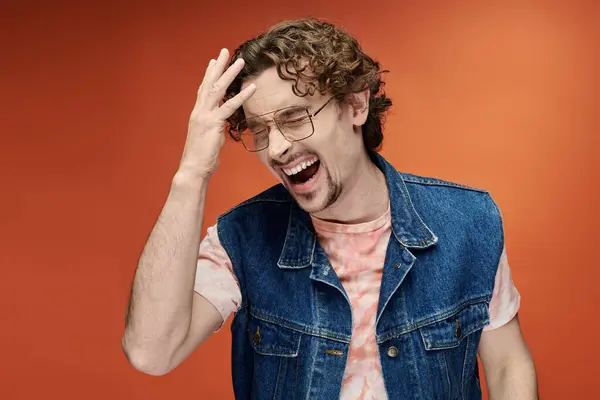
[{"x": 315, "y": 55}]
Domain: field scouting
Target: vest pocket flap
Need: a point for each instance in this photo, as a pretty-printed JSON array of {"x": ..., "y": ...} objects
[
  {"x": 450, "y": 332},
  {"x": 273, "y": 340}
]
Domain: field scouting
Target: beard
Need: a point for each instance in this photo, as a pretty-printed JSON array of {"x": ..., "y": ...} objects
[
  {"x": 333, "y": 189},
  {"x": 333, "y": 193}
]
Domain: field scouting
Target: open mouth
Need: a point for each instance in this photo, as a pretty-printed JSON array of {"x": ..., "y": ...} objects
[{"x": 303, "y": 172}]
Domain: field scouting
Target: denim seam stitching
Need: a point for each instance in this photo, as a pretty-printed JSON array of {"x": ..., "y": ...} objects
[
  {"x": 251, "y": 202},
  {"x": 462, "y": 375},
  {"x": 238, "y": 271},
  {"x": 428, "y": 321},
  {"x": 429, "y": 233},
  {"x": 291, "y": 263},
  {"x": 438, "y": 182},
  {"x": 279, "y": 262},
  {"x": 296, "y": 380},
  {"x": 446, "y": 369},
  {"x": 300, "y": 328}
]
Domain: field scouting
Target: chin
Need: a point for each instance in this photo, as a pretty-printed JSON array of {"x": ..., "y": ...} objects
[
  {"x": 309, "y": 183},
  {"x": 310, "y": 202}
]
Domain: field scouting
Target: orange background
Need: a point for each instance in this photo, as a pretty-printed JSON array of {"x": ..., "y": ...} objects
[{"x": 95, "y": 101}]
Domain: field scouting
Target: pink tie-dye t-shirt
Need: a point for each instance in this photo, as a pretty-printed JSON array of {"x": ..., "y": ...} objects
[{"x": 357, "y": 254}]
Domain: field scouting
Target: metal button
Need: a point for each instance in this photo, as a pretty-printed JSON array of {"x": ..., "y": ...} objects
[
  {"x": 392, "y": 351},
  {"x": 256, "y": 337},
  {"x": 334, "y": 352},
  {"x": 458, "y": 331}
]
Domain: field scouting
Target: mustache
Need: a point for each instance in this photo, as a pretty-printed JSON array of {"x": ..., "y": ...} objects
[{"x": 278, "y": 163}]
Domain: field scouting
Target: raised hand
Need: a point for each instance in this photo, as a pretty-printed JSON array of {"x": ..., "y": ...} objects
[{"x": 206, "y": 126}]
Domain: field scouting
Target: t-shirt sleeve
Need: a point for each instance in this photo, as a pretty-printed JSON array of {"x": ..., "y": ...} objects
[
  {"x": 215, "y": 280},
  {"x": 506, "y": 299}
]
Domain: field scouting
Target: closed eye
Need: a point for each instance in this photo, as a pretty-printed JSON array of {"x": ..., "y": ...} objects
[
  {"x": 257, "y": 129},
  {"x": 296, "y": 121}
]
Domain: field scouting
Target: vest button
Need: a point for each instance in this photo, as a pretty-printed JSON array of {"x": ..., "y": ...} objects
[
  {"x": 392, "y": 351},
  {"x": 256, "y": 337}
]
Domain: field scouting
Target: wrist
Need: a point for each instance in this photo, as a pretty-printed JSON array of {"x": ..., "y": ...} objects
[{"x": 187, "y": 178}]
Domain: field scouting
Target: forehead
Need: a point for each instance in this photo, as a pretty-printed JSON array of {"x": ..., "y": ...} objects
[{"x": 273, "y": 93}]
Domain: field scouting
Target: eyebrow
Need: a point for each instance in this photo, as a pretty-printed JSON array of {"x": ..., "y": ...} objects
[
  {"x": 291, "y": 109},
  {"x": 286, "y": 108},
  {"x": 253, "y": 122}
]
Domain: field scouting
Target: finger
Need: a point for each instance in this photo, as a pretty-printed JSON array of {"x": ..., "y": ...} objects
[
  {"x": 211, "y": 63},
  {"x": 202, "y": 84},
  {"x": 217, "y": 90},
  {"x": 220, "y": 64},
  {"x": 215, "y": 71},
  {"x": 229, "y": 107}
]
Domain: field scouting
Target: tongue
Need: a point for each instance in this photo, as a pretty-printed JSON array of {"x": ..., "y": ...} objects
[{"x": 305, "y": 174}]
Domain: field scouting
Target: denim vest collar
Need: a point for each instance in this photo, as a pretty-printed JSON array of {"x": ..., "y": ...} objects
[{"x": 407, "y": 226}]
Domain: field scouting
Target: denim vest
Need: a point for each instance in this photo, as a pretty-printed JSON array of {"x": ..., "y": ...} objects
[{"x": 292, "y": 332}]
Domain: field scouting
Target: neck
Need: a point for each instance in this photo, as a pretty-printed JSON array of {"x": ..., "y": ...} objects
[{"x": 364, "y": 198}]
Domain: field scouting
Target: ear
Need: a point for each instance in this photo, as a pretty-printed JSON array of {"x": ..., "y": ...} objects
[{"x": 359, "y": 107}]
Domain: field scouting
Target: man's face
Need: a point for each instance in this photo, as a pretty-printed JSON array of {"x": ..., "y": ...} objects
[{"x": 317, "y": 170}]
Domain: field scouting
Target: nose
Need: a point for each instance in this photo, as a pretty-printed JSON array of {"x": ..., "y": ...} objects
[{"x": 278, "y": 144}]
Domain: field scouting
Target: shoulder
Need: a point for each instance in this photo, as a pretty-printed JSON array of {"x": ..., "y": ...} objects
[
  {"x": 447, "y": 195},
  {"x": 453, "y": 207},
  {"x": 431, "y": 182},
  {"x": 268, "y": 202}
]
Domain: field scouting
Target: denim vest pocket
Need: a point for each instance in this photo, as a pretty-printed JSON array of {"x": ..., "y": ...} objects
[
  {"x": 450, "y": 332},
  {"x": 451, "y": 348},
  {"x": 276, "y": 351}
]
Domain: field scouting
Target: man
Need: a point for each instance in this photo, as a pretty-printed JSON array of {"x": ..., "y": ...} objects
[{"x": 349, "y": 279}]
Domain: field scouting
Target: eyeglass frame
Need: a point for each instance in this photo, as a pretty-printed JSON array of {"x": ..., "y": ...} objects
[{"x": 310, "y": 118}]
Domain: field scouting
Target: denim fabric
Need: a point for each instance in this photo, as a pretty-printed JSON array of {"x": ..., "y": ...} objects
[{"x": 292, "y": 333}]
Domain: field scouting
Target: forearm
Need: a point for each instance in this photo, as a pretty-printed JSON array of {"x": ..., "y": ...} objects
[
  {"x": 515, "y": 381},
  {"x": 160, "y": 306}
]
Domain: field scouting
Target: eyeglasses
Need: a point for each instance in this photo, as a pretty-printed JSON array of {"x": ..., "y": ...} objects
[{"x": 295, "y": 123}]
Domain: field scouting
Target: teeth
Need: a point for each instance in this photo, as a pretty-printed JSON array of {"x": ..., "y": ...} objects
[{"x": 302, "y": 166}]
